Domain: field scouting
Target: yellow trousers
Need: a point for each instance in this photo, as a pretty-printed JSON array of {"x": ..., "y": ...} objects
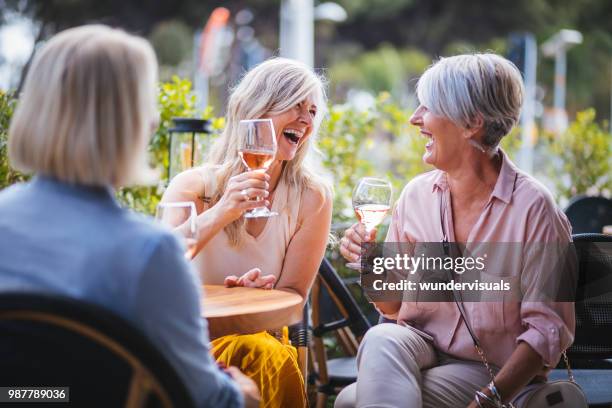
[{"x": 271, "y": 363}]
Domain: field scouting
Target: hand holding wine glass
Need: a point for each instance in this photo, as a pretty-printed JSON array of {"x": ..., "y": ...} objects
[
  {"x": 257, "y": 149},
  {"x": 371, "y": 202},
  {"x": 181, "y": 218}
]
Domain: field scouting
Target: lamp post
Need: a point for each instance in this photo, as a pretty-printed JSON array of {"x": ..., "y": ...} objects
[
  {"x": 557, "y": 46},
  {"x": 183, "y": 151},
  {"x": 297, "y": 27}
]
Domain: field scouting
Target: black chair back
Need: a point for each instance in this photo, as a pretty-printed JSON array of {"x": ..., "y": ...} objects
[
  {"x": 593, "y": 339},
  {"x": 333, "y": 283},
  {"x": 60, "y": 342},
  {"x": 589, "y": 214}
]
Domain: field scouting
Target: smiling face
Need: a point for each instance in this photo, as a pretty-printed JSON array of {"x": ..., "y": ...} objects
[
  {"x": 446, "y": 140},
  {"x": 293, "y": 127}
]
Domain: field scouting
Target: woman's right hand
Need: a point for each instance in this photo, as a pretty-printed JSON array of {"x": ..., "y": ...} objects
[
  {"x": 240, "y": 193},
  {"x": 350, "y": 244}
]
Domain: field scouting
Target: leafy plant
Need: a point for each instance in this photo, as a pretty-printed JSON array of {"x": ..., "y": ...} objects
[
  {"x": 8, "y": 176},
  {"x": 583, "y": 155},
  {"x": 175, "y": 99}
]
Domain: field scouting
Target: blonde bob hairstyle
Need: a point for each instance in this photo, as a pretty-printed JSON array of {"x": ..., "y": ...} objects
[
  {"x": 465, "y": 87},
  {"x": 87, "y": 109},
  {"x": 271, "y": 88}
]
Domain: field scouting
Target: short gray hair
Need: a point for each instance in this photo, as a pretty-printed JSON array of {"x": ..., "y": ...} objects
[
  {"x": 87, "y": 109},
  {"x": 465, "y": 87}
]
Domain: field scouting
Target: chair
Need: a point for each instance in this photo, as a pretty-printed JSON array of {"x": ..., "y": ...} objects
[
  {"x": 59, "y": 342},
  {"x": 589, "y": 214},
  {"x": 334, "y": 310},
  {"x": 592, "y": 349},
  {"x": 300, "y": 339}
]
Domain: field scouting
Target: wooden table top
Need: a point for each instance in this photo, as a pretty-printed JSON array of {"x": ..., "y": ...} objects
[{"x": 243, "y": 310}]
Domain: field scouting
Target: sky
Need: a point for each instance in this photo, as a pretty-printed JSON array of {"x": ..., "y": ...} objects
[{"x": 16, "y": 42}]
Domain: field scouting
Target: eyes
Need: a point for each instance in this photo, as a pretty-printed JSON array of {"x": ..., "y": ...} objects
[{"x": 302, "y": 105}]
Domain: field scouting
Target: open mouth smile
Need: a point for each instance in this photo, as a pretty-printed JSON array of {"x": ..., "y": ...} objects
[
  {"x": 429, "y": 136},
  {"x": 293, "y": 135}
]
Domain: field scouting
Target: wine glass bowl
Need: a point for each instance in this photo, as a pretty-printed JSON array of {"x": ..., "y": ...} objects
[
  {"x": 371, "y": 202},
  {"x": 181, "y": 218},
  {"x": 257, "y": 149}
]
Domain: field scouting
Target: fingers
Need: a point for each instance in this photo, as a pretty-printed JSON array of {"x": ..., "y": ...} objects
[
  {"x": 253, "y": 279},
  {"x": 350, "y": 244},
  {"x": 249, "y": 276},
  {"x": 267, "y": 281},
  {"x": 233, "y": 371},
  {"x": 230, "y": 281},
  {"x": 242, "y": 181},
  {"x": 349, "y": 250}
]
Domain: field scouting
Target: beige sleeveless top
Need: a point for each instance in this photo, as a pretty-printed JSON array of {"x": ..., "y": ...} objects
[{"x": 219, "y": 259}]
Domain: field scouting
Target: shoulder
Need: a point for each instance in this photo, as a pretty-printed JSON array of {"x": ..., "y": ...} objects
[
  {"x": 532, "y": 195},
  {"x": 144, "y": 244},
  {"x": 12, "y": 193},
  {"x": 421, "y": 186},
  {"x": 192, "y": 178},
  {"x": 542, "y": 215},
  {"x": 316, "y": 198}
]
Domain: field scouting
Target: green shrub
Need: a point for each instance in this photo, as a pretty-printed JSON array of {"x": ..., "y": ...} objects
[
  {"x": 354, "y": 144},
  {"x": 375, "y": 142},
  {"x": 8, "y": 176},
  {"x": 582, "y": 158},
  {"x": 175, "y": 99}
]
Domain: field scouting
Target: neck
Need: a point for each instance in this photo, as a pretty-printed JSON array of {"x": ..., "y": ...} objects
[{"x": 475, "y": 177}]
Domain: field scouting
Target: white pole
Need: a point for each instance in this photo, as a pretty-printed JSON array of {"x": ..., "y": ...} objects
[
  {"x": 297, "y": 30},
  {"x": 200, "y": 80},
  {"x": 528, "y": 114},
  {"x": 560, "y": 73}
]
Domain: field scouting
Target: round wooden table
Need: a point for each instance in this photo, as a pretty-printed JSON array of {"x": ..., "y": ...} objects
[{"x": 248, "y": 310}]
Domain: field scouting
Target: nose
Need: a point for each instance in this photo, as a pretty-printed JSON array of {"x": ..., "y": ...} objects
[
  {"x": 305, "y": 116},
  {"x": 417, "y": 117}
]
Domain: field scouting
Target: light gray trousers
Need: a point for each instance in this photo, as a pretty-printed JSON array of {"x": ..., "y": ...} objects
[{"x": 399, "y": 369}]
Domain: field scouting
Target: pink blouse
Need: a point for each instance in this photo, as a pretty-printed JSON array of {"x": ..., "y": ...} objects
[{"x": 519, "y": 209}]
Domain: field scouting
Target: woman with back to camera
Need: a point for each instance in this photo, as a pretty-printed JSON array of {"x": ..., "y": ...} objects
[
  {"x": 282, "y": 251},
  {"x": 475, "y": 195},
  {"x": 82, "y": 126}
]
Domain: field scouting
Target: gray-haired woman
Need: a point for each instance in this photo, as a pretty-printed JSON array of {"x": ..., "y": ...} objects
[{"x": 475, "y": 195}]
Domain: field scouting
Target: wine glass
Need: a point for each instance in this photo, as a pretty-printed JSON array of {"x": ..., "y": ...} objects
[
  {"x": 371, "y": 202},
  {"x": 181, "y": 218},
  {"x": 257, "y": 149}
]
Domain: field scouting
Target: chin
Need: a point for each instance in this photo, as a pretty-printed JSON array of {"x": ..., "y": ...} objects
[{"x": 285, "y": 156}]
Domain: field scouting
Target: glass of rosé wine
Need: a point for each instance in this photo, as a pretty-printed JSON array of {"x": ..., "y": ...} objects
[
  {"x": 181, "y": 218},
  {"x": 371, "y": 202},
  {"x": 257, "y": 149}
]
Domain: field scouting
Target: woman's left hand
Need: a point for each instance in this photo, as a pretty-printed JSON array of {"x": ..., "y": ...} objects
[{"x": 251, "y": 279}]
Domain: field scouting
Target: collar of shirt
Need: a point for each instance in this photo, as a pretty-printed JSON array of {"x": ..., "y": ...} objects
[{"x": 503, "y": 187}]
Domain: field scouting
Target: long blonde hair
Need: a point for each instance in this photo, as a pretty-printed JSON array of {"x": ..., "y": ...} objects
[{"x": 270, "y": 88}]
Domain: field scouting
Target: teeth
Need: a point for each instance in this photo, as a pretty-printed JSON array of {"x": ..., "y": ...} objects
[{"x": 293, "y": 132}]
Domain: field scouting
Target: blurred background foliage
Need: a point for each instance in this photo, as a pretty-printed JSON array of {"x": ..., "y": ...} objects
[
  {"x": 582, "y": 158},
  {"x": 353, "y": 143},
  {"x": 381, "y": 46}
]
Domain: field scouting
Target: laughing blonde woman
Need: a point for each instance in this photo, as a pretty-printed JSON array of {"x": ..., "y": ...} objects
[{"x": 283, "y": 251}]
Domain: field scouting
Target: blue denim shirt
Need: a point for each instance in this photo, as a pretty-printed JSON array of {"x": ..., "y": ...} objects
[{"x": 76, "y": 241}]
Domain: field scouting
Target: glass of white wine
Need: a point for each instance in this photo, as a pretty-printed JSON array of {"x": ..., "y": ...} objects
[
  {"x": 181, "y": 218},
  {"x": 371, "y": 202},
  {"x": 257, "y": 149}
]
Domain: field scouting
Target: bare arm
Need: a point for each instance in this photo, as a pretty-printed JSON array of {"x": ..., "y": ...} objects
[
  {"x": 307, "y": 246},
  {"x": 190, "y": 186}
]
